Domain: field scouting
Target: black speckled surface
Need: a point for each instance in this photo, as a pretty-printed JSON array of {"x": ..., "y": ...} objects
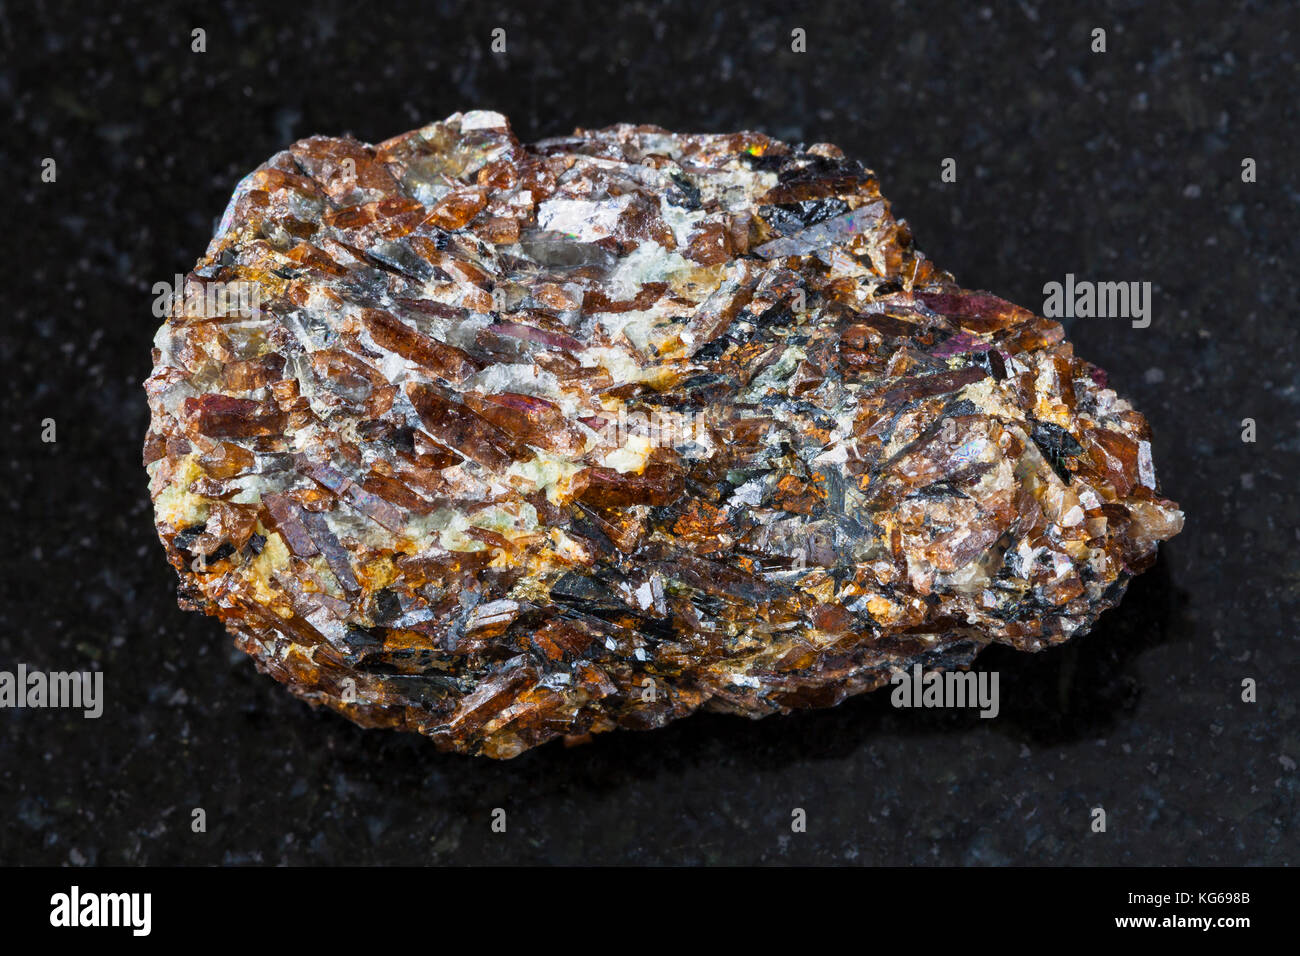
[{"x": 1116, "y": 166}]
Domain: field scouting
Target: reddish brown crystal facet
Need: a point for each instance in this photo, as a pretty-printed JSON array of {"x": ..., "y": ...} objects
[{"x": 524, "y": 442}]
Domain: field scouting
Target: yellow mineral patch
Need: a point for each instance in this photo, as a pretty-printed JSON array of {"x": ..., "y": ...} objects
[
  {"x": 258, "y": 572},
  {"x": 632, "y": 456},
  {"x": 881, "y": 609},
  {"x": 546, "y": 472},
  {"x": 377, "y": 574},
  {"x": 506, "y": 519},
  {"x": 621, "y": 366},
  {"x": 326, "y": 576},
  {"x": 568, "y": 551},
  {"x": 987, "y": 393},
  {"x": 176, "y": 505}
]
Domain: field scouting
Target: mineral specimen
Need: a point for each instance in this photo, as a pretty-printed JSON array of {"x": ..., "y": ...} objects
[{"x": 502, "y": 443}]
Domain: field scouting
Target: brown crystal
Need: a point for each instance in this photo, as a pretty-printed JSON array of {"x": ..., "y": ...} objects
[{"x": 526, "y": 442}]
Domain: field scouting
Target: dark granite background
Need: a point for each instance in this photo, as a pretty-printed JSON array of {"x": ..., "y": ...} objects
[{"x": 1117, "y": 166}]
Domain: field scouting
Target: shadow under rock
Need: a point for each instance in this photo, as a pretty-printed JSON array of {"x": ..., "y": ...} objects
[
  {"x": 1065, "y": 693},
  {"x": 1069, "y": 692}
]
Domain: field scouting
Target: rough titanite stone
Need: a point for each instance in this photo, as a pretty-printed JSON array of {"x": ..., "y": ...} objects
[{"x": 501, "y": 443}]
